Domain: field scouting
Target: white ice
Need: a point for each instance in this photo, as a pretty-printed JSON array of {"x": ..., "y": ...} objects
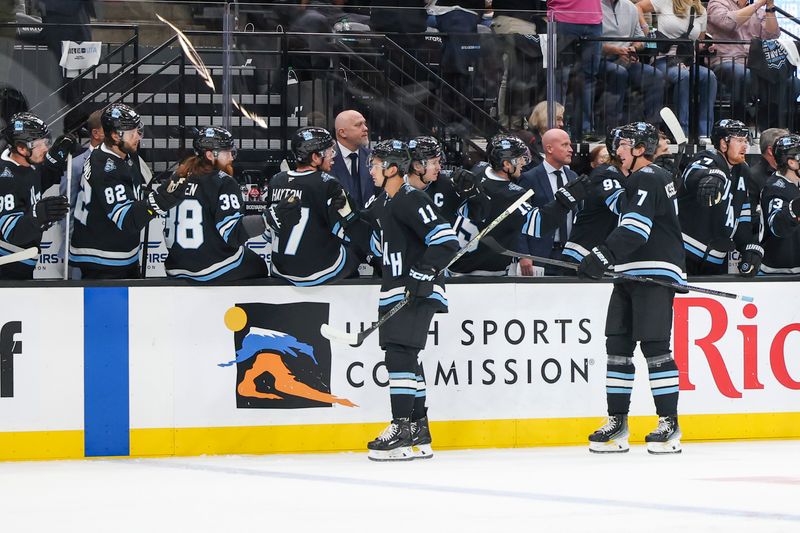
[{"x": 729, "y": 487}]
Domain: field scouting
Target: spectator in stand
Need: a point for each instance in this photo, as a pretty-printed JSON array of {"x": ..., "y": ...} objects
[
  {"x": 683, "y": 19},
  {"x": 621, "y": 70},
  {"x": 579, "y": 22},
  {"x": 351, "y": 163},
  {"x": 537, "y": 124},
  {"x": 520, "y": 22},
  {"x": 545, "y": 179},
  {"x": 599, "y": 156}
]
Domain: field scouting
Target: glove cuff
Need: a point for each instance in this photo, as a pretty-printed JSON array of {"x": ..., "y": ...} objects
[
  {"x": 758, "y": 249},
  {"x": 565, "y": 198},
  {"x": 604, "y": 255},
  {"x": 153, "y": 204},
  {"x": 422, "y": 273}
]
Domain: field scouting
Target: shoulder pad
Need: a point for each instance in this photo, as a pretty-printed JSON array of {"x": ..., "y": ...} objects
[
  {"x": 326, "y": 177},
  {"x": 110, "y": 165},
  {"x": 514, "y": 187},
  {"x": 7, "y": 173},
  {"x": 647, "y": 170},
  {"x": 780, "y": 183},
  {"x": 222, "y": 175},
  {"x": 408, "y": 188}
]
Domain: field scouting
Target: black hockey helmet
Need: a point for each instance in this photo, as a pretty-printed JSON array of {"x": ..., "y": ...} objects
[
  {"x": 310, "y": 140},
  {"x": 214, "y": 139},
  {"x": 640, "y": 134},
  {"x": 504, "y": 147},
  {"x": 393, "y": 152},
  {"x": 424, "y": 148},
  {"x": 612, "y": 141},
  {"x": 785, "y": 148},
  {"x": 727, "y": 128},
  {"x": 119, "y": 118},
  {"x": 25, "y": 128}
]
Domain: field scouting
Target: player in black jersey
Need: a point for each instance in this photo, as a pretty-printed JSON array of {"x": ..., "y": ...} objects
[
  {"x": 317, "y": 249},
  {"x": 780, "y": 203},
  {"x": 456, "y": 194},
  {"x": 111, "y": 210},
  {"x": 600, "y": 212},
  {"x": 27, "y": 169},
  {"x": 416, "y": 243},
  {"x": 646, "y": 242},
  {"x": 207, "y": 231},
  {"x": 507, "y": 157},
  {"x": 715, "y": 211}
]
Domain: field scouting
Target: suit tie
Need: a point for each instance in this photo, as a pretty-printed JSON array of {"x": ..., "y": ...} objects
[
  {"x": 562, "y": 224},
  {"x": 356, "y": 177}
]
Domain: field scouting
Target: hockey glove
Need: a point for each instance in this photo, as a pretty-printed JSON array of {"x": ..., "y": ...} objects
[
  {"x": 710, "y": 189},
  {"x": 340, "y": 208},
  {"x": 284, "y": 213},
  {"x": 574, "y": 192},
  {"x": 167, "y": 196},
  {"x": 62, "y": 147},
  {"x": 596, "y": 263},
  {"x": 49, "y": 210},
  {"x": 467, "y": 184},
  {"x": 420, "y": 282},
  {"x": 750, "y": 263},
  {"x": 794, "y": 209}
]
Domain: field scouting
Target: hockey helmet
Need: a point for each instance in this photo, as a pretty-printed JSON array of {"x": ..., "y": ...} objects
[
  {"x": 392, "y": 152},
  {"x": 310, "y": 140},
  {"x": 214, "y": 139},
  {"x": 640, "y": 134},
  {"x": 119, "y": 118},
  {"x": 424, "y": 148},
  {"x": 612, "y": 141},
  {"x": 26, "y": 128},
  {"x": 785, "y": 148},
  {"x": 503, "y": 147},
  {"x": 727, "y": 128}
]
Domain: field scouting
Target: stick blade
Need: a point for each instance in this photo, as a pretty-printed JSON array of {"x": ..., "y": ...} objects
[
  {"x": 671, "y": 121},
  {"x": 333, "y": 334},
  {"x": 27, "y": 253}
]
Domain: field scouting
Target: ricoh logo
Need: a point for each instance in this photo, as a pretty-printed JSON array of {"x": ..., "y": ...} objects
[
  {"x": 10, "y": 345},
  {"x": 749, "y": 335}
]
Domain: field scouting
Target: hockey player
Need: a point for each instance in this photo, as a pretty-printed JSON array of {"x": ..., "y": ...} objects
[
  {"x": 507, "y": 157},
  {"x": 647, "y": 241},
  {"x": 600, "y": 212},
  {"x": 417, "y": 243},
  {"x": 111, "y": 210},
  {"x": 715, "y": 209},
  {"x": 316, "y": 250},
  {"x": 206, "y": 233},
  {"x": 780, "y": 203},
  {"x": 28, "y": 167},
  {"x": 456, "y": 194}
]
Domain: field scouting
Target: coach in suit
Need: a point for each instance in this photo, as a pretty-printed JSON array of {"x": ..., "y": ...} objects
[
  {"x": 351, "y": 164},
  {"x": 546, "y": 178}
]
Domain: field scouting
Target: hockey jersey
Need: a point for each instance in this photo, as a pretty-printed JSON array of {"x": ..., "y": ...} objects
[
  {"x": 781, "y": 236},
  {"x": 647, "y": 240},
  {"x": 411, "y": 232},
  {"x": 312, "y": 251},
  {"x": 109, "y": 214},
  {"x": 204, "y": 233},
  {"x": 710, "y": 232},
  {"x": 600, "y": 212}
]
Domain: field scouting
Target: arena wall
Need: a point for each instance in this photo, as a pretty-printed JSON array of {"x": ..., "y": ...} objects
[{"x": 133, "y": 371}]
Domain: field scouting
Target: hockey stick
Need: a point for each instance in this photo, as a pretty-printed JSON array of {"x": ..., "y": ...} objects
[
  {"x": 67, "y": 218},
  {"x": 355, "y": 339},
  {"x": 495, "y": 246},
  {"x": 27, "y": 253},
  {"x": 674, "y": 126}
]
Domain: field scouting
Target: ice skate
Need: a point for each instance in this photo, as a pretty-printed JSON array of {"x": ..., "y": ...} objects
[
  {"x": 421, "y": 439},
  {"x": 612, "y": 437},
  {"x": 394, "y": 444},
  {"x": 666, "y": 438}
]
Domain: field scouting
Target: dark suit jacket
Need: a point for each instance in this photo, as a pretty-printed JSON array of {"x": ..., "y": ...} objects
[
  {"x": 341, "y": 170},
  {"x": 537, "y": 179}
]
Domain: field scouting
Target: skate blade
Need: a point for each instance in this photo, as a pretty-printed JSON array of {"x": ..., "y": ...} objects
[
  {"x": 404, "y": 453},
  {"x": 422, "y": 451},
  {"x": 612, "y": 446},
  {"x": 664, "y": 448}
]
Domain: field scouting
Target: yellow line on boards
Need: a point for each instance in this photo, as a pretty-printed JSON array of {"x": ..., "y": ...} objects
[{"x": 40, "y": 445}]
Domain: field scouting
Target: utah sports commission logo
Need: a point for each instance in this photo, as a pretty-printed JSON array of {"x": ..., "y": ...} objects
[{"x": 282, "y": 361}]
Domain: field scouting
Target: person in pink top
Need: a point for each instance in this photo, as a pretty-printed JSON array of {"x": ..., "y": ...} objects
[
  {"x": 579, "y": 19},
  {"x": 738, "y": 20}
]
